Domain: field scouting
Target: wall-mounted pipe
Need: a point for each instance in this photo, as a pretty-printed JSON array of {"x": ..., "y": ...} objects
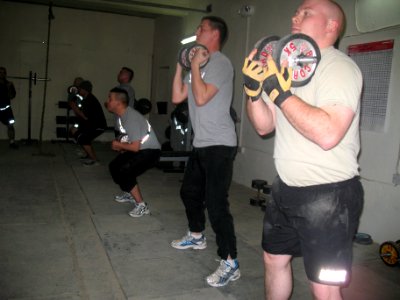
[{"x": 164, "y": 6}]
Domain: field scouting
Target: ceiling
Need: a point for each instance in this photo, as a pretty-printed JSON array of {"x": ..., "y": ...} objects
[{"x": 143, "y": 8}]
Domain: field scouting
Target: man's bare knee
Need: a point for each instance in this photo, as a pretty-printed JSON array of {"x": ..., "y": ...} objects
[
  {"x": 276, "y": 260},
  {"x": 326, "y": 292}
]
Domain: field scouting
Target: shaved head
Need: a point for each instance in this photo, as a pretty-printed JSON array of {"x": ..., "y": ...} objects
[
  {"x": 335, "y": 13},
  {"x": 323, "y": 20}
]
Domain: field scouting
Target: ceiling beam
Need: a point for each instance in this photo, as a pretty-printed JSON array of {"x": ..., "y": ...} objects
[{"x": 123, "y": 7}]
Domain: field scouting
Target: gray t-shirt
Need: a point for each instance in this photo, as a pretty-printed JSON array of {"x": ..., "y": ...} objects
[
  {"x": 212, "y": 123},
  {"x": 136, "y": 127},
  {"x": 131, "y": 93},
  {"x": 131, "y": 97}
]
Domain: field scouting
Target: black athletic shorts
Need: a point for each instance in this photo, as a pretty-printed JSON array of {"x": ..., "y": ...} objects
[
  {"x": 316, "y": 222},
  {"x": 7, "y": 116}
]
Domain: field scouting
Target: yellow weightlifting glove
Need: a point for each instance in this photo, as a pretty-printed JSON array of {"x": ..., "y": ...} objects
[
  {"x": 254, "y": 75},
  {"x": 277, "y": 84}
]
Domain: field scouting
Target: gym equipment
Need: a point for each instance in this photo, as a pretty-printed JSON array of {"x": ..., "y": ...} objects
[
  {"x": 266, "y": 191},
  {"x": 33, "y": 79},
  {"x": 72, "y": 90},
  {"x": 390, "y": 252},
  {"x": 175, "y": 153},
  {"x": 181, "y": 113},
  {"x": 67, "y": 120},
  {"x": 186, "y": 54},
  {"x": 265, "y": 47},
  {"x": 299, "y": 52},
  {"x": 258, "y": 199},
  {"x": 181, "y": 132},
  {"x": 50, "y": 18},
  {"x": 362, "y": 238},
  {"x": 143, "y": 106},
  {"x": 123, "y": 138}
]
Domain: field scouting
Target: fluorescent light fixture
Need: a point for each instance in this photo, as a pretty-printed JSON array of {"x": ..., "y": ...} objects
[{"x": 188, "y": 40}]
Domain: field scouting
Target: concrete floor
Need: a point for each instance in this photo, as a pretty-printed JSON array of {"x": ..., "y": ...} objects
[{"x": 63, "y": 237}]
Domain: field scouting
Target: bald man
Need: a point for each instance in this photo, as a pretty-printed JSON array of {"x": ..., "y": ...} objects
[{"x": 317, "y": 195}]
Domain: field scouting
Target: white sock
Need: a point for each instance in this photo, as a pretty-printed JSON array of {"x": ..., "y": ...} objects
[
  {"x": 231, "y": 262},
  {"x": 196, "y": 235}
]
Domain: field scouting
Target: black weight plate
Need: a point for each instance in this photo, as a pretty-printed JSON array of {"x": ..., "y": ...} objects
[
  {"x": 192, "y": 50},
  {"x": 293, "y": 47},
  {"x": 143, "y": 105},
  {"x": 265, "y": 46}
]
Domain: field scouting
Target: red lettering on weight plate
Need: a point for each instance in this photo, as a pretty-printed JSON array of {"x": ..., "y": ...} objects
[
  {"x": 295, "y": 74},
  {"x": 263, "y": 61},
  {"x": 292, "y": 46}
]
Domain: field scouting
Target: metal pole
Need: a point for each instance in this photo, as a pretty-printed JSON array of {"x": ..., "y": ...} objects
[
  {"x": 50, "y": 17},
  {"x": 29, "y": 107}
]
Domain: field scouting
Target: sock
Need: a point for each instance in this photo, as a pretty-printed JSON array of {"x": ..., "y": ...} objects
[
  {"x": 232, "y": 262},
  {"x": 196, "y": 235}
]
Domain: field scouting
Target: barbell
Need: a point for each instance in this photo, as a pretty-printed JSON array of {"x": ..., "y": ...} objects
[
  {"x": 186, "y": 54},
  {"x": 297, "y": 51}
]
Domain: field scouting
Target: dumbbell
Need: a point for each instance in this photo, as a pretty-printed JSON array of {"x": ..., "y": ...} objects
[
  {"x": 186, "y": 54},
  {"x": 258, "y": 184},
  {"x": 298, "y": 51},
  {"x": 266, "y": 191}
]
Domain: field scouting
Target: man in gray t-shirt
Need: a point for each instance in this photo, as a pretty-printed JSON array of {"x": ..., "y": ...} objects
[
  {"x": 209, "y": 170},
  {"x": 138, "y": 147},
  {"x": 125, "y": 77}
]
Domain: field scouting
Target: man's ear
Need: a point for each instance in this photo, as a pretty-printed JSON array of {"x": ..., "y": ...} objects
[
  {"x": 216, "y": 34},
  {"x": 333, "y": 26}
]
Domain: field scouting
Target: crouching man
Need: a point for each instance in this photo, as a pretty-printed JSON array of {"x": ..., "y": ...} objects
[{"x": 138, "y": 150}]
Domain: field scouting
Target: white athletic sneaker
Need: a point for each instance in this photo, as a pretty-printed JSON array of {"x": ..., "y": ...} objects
[
  {"x": 224, "y": 273},
  {"x": 124, "y": 197},
  {"x": 139, "y": 210},
  {"x": 189, "y": 241}
]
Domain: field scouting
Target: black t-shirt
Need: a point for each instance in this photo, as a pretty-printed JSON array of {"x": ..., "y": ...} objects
[
  {"x": 92, "y": 109},
  {"x": 7, "y": 92}
]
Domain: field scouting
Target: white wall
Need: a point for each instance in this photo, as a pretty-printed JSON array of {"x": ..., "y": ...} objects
[
  {"x": 167, "y": 39},
  {"x": 82, "y": 43}
]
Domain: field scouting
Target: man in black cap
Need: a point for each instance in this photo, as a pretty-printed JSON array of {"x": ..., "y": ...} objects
[{"x": 92, "y": 121}]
